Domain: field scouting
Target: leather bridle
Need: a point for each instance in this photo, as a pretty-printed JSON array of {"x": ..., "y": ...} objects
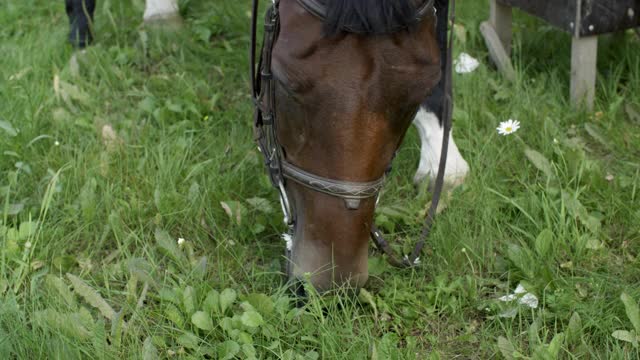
[{"x": 280, "y": 170}]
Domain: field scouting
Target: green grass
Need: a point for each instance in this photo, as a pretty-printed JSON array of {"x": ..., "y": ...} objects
[{"x": 104, "y": 277}]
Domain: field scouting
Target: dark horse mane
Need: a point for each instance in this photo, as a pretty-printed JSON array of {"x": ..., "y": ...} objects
[{"x": 372, "y": 16}]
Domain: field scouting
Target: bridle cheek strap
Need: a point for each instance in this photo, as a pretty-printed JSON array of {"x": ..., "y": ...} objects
[{"x": 446, "y": 116}]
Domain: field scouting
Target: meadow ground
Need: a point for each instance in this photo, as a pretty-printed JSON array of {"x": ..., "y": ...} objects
[{"x": 105, "y": 165}]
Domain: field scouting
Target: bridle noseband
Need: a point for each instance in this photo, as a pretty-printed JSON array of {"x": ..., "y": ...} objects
[{"x": 280, "y": 170}]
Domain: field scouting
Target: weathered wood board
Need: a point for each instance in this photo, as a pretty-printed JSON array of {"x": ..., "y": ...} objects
[{"x": 583, "y": 17}]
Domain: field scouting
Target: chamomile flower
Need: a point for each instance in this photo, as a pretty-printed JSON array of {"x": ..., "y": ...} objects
[
  {"x": 508, "y": 127},
  {"x": 181, "y": 241}
]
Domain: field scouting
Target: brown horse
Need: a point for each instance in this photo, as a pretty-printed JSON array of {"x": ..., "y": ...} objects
[{"x": 346, "y": 79}]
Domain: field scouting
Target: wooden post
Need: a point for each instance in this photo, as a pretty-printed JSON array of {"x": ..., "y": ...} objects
[
  {"x": 497, "y": 36},
  {"x": 501, "y": 20},
  {"x": 584, "y": 55}
]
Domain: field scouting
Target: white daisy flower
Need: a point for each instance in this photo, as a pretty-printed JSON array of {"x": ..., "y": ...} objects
[
  {"x": 507, "y": 298},
  {"x": 508, "y": 127},
  {"x": 520, "y": 290},
  {"x": 181, "y": 241},
  {"x": 529, "y": 300},
  {"x": 466, "y": 64},
  {"x": 523, "y": 296}
]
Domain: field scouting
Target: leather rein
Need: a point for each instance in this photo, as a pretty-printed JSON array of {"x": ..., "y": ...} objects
[{"x": 280, "y": 170}]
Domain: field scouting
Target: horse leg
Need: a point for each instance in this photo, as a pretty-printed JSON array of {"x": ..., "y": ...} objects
[
  {"x": 80, "y": 13},
  {"x": 431, "y": 135},
  {"x": 429, "y": 124},
  {"x": 165, "y": 11}
]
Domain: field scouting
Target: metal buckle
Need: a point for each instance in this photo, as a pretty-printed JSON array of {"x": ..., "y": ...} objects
[{"x": 284, "y": 203}]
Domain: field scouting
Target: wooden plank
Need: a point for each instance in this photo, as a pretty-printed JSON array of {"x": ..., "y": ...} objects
[
  {"x": 501, "y": 20},
  {"x": 584, "y": 55},
  {"x": 497, "y": 51},
  {"x": 600, "y": 17},
  {"x": 560, "y": 13},
  {"x": 587, "y": 17}
]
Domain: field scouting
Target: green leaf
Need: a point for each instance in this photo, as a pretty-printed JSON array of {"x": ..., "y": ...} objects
[
  {"x": 261, "y": 204},
  {"x": 188, "y": 340},
  {"x": 521, "y": 258},
  {"x": 540, "y": 162},
  {"x": 170, "y": 295},
  {"x": 311, "y": 355},
  {"x": 8, "y": 128},
  {"x": 91, "y": 296},
  {"x": 366, "y": 297},
  {"x": 174, "y": 315},
  {"x": 628, "y": 336},
  {"x": 577, "y": 210},
  {"x": 633, "y": 313},
  {"x": 169, "y": 246},
  {"x": 117, "y": 326},
  {"x": 142, "y": 269},
  {"x": 252, "y": 319},
  {"x": 149, "y": 351},
  {"x": 27, "y": 230},
  {"x": 227, "y": 298},
  {"x": 202, "y": 320},
  {"x": 262, "y": 303},
  {"x": 64, "y": 323},
  {"x": 99, "y": 338},
  {"x": 68, "y": 90},
  {"x": 249, "y": 351},
  {"x": 15, "y": 209},
  {"x": 388, "y": 345},
  {"x": 147, "y": 105},
  {"x": 544, "y": 242},
  {"x": 378, "y": 265},
  {"x": 574, "y": 329},
  {"x": 58, "y": 285},
  {"x": 506, "y": 349},
  {"x": 596, "y": 134},
  {"x": 189, "y": 299},
  {"x": 556, "y": 345},
  {"x": 632, "y": 113},
  {"x": 228, "y": 350},
  {"x": 212, "y": 302},
  {"x": 199, "y": 267}
]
